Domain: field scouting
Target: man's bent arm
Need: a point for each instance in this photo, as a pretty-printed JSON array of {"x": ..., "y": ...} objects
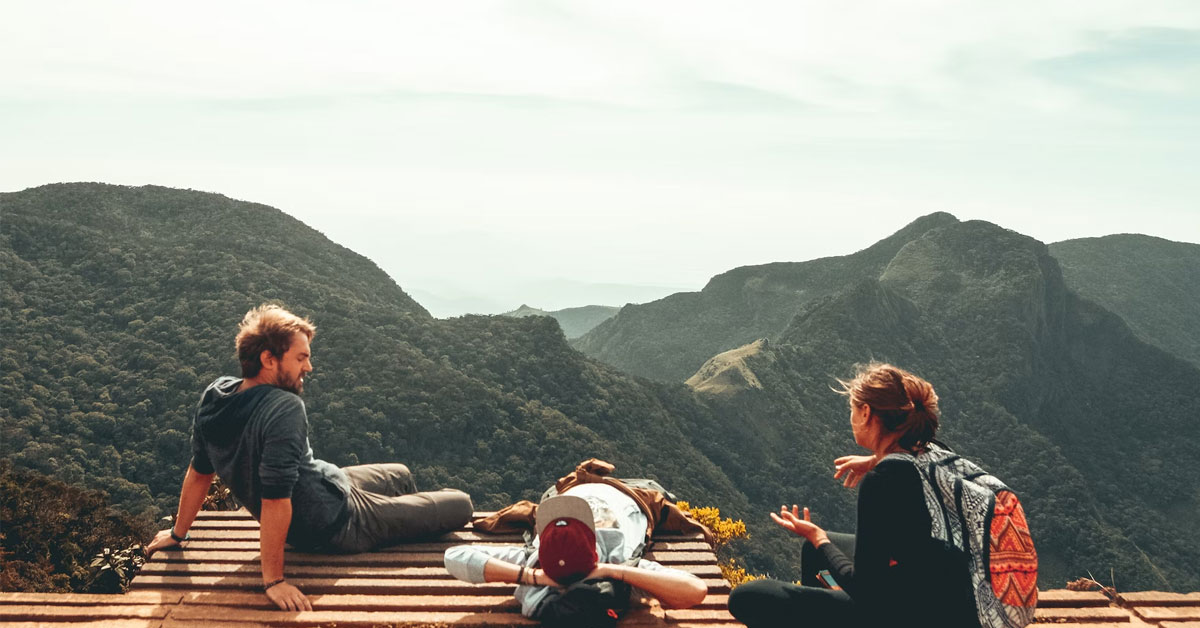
[
  {"x": 191, "y": 498},
  {"x": 673, "y": 588},
  {"x": 273, "y": 528},
  {"x": 470, "y": 563}
]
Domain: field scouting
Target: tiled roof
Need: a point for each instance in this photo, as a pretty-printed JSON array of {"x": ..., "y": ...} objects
[
  {"x": 214, "y": 583},
  {"x": 1130, "y": 610}
]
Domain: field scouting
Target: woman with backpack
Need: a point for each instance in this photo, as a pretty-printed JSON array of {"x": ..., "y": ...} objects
[{"x": 939, "y": 542}]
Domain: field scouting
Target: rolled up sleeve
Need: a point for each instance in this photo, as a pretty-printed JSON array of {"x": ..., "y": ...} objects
[
  {"x": 466, "y": 562},
  {"x": 200, "y": 460}
]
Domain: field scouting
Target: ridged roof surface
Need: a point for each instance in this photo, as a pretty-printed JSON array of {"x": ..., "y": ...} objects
[{"x": 214, "y": 582}]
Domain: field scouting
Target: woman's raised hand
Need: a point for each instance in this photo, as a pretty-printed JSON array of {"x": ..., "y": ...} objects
[
  {"x": 851, "y": 469},
  {"x": 791, "y": 520}
]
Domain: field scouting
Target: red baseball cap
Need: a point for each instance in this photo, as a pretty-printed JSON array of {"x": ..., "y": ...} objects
[{"x": 567, "y": 538}]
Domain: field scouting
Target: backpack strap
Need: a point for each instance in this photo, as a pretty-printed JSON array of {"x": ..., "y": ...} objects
[{"x": 927, "y": 464}]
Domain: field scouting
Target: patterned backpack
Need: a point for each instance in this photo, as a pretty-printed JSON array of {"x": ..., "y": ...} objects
[{"x": 978, "y": 514}]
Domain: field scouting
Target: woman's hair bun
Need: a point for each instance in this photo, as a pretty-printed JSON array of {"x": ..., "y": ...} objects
[{"x": 903, "y": 401}]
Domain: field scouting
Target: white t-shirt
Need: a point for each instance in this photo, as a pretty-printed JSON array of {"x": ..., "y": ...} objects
[{"x": 614, "y": 545}]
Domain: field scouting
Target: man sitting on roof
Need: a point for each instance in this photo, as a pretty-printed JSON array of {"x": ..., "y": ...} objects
[
  {"x": 253, "y": 432},
  {"x": 590, "y": 531}
]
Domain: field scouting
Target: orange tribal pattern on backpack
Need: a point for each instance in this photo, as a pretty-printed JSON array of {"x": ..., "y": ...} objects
[
  {"x": 978, "y": 514},
  {"x": 1012, "y": 560}
]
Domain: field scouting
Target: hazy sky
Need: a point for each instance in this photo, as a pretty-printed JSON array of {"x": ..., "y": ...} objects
[{"x": 487, "y": 154}]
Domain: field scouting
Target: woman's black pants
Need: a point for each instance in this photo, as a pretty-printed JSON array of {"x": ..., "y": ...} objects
[{"x": 772, "y": 603}]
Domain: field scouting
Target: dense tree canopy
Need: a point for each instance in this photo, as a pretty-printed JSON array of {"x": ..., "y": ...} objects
[
  {"x": 1152, "y": 283},
  {"x": 52, "y": 530}
]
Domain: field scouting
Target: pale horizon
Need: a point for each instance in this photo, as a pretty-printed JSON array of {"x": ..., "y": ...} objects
[{"x": 490, "y": 154}]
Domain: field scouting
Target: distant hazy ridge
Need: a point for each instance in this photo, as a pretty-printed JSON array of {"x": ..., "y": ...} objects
[{"x": 575, "y": 321}]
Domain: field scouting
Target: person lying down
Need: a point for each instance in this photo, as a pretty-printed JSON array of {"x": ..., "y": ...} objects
[{"x": 590, "y": 537}]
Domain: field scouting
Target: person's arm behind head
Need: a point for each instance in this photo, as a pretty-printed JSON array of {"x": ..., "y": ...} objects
[{"x": 672, "y": 588}]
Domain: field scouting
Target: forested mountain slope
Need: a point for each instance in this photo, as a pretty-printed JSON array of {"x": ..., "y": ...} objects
[
  {"x": 1094, "y": 428},
  {"x": 670, "y": 338},
  {"x": 1152, "y": 283},
  {"x": 120, "y": 304}
]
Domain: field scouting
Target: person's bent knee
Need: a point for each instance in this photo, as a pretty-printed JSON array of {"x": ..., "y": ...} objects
[
  {"x": 755, "y": 603},
  {"x": 467, "y": 508},
  {"x": 746, "y": 597},
  {"x": 399, "y": 469},
  {"x": 456, "y": 506},
  {"x": 402, "y": 478}
]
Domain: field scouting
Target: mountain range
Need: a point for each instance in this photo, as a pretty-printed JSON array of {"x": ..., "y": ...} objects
[
  {"x": 734, "y": 308},
  {"x": 119, "y": 304}
]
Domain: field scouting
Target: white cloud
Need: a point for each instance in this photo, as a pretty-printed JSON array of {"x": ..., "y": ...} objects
[
  {"x": 835, "y": 54},
  {"x": 667, "y": 131}
]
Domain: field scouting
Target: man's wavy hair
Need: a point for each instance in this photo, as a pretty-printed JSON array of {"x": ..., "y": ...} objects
[{"x": 268, "y": 328}]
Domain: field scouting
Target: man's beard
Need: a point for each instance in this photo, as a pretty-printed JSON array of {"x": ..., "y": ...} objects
[{"x": 294, "y": 385}]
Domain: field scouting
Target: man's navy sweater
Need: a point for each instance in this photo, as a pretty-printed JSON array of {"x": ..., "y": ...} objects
[{"x": 256, "y": 440}]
